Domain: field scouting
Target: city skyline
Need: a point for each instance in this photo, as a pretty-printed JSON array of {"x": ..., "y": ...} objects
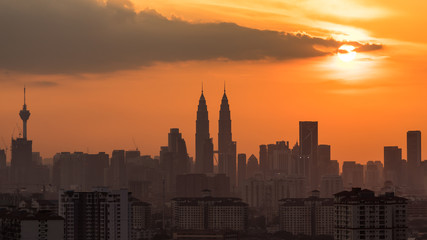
[{"x": 18, "y": 132}]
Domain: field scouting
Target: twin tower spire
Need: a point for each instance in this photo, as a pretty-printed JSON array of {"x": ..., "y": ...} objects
[{"x": 204, "y": 143}]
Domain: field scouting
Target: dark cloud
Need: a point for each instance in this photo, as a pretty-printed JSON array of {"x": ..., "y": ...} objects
[
  {"x": 369, "y": 47},
  {"x": 43, "y": 84},
  {"x": 81, "y": 36}
]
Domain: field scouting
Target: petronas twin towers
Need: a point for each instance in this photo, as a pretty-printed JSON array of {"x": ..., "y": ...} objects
[{"x": 204, "y": 144}]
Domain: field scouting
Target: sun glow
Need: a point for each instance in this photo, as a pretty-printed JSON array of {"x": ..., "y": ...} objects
[{"x": 346, "y": 53}]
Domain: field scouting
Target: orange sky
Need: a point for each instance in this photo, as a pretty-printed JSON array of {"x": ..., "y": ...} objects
[{"x": 361, "y": 106}]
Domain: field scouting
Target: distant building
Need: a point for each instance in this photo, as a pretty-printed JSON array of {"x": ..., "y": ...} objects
[
  {"x": 413, "y": 140},
  {"x": 100, "y": 214},
  {"x": 362, "y": 215},
  {"x": 308, "y": 139},
  {"x": 263, "y": 159},
  {"x": 174, "y": 159},
  {"x": 192, "y": 185},
  {"x": 352, "y": 174},
  {"x": 252, "y": 167},
  {"x": 373, "y": 175},
  {"x": 43, "y": 225},
  {"x": 329, "y": 185},
  {"x": 310, "y": 216},
  {"x": 204, "y": 144},
  {"x": 241, "y": 163},
  {"x": 392, "y": 164},
  {"x": 116, "y": 176},
  {"x": 209, "y": 213},
  {"x": 226, "y": 146}
]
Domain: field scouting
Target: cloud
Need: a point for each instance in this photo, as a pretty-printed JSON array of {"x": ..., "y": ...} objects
[{"x": 86, "y": 36}]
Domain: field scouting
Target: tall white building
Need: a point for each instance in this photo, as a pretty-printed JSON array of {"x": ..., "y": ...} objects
[
  {"x": 98, "y": 215},
  {"x": 362, "y": 215}
]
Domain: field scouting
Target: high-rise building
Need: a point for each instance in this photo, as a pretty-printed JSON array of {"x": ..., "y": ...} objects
[
  {"x": 362, "y": 215},
  {"x": 373, "y": 175},
  {"x": 94, "y": 166},
  {"x": 241, "y": 162},
  {"x": 352, "y": 174},
  {"x": 117, "y": 171},
  {"x": 21, "y": 162},
  {"x": 174, "y": 159},
  {"x": 2, "y": 159},
  {"x": 192, "y": 185},
  {"x": 308, "y": 138},
  {"x": 209, "y": 213},
  {"x": 226, "y": 146},
  {"x": 392, "y": 164},
  {"x": 204, "y": 144},
  {"x": 324, "y": 159},
  {"x": 413, "y": 142},
  {"x": 310, "y": 216},
  {"x": 330, "y": 184},
  {"x": 263, "y": 158},
  {"x": 252, "y": 166},
  {"x": 100, "y": 214}
]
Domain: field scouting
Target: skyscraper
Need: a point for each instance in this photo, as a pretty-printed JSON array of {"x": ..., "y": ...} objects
[
  {"x": 204, "y": 146},
  {"x": 226, "y": 146},
  {"x": 308, "y": 138},
  {"x": 241, "y": 170},
  {"x": 21, "y": 162},
  {"x": 413, "y": 141},
  {"x": 392, "y": 163}
]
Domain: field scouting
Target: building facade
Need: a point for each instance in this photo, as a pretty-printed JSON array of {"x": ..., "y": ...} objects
[{"x": 362, "y": 215}]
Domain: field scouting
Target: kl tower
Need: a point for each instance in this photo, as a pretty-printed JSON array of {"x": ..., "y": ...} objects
[{"x": 25, "y": 115}]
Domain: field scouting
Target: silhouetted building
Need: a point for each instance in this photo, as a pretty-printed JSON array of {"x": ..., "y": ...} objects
[
  {"x": 2, "y": 159},
  {"x": 413, "y": 140},
  {"x": 352, "y": 174},
  {"x": 330, "y": 184},
  {"x": 252, "y": 167},
  {"x": 100, "y": 214},
  {"x": 116, "y": 176},
  {"x": 324, "y": 159},
  {"x": 392, "y": 164},
  {"x": 308, "y": 139},
  {"x": 373, "y": 175},
  {"x": 192, "y": 185},
  {"x": 241, "y": 169},
  {"x": 68, "y": 170},
  {"x": 22, "y": 224},
  {"x": 94, "y": 166},
  {"x": 174, "y": 159},
  {"x": 226, "y": 146},
  {"x": 209, "y": 213},
  {"x": 310, "y": 216},
  {"x": 362, "y": 215},
  {"x": 263, "y": 159},
  {"x": 21, "y": 162},
  {"x": 204, "y": 144}
]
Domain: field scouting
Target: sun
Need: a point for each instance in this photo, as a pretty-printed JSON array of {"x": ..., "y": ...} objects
[{"x": 346, "y": 53}]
